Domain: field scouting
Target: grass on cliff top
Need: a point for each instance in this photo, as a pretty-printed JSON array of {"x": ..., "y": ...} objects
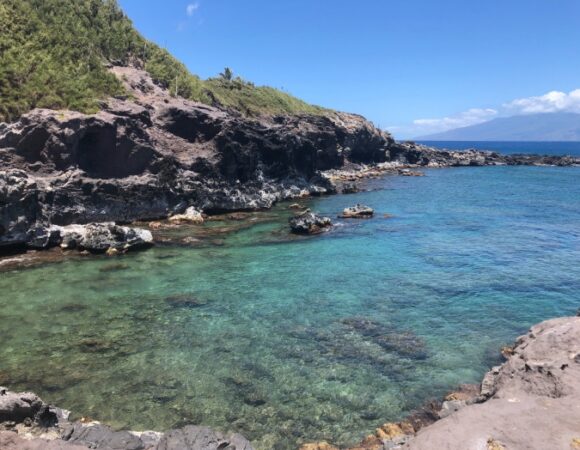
[{"x": 53, "y": 54}]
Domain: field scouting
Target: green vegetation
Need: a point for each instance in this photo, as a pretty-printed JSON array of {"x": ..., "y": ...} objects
[{"x": 53, "y": 54}]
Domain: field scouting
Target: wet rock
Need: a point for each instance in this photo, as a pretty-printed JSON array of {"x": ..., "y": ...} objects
[
  {"x": 357, "y": 212},
  {"x": 191, "y": 215},
  {"x": 309, "y": 223},
  {"x": 350, "y": 188},
  {"x": 410, "y": 173},
  {"x": 238, "y": 216}
]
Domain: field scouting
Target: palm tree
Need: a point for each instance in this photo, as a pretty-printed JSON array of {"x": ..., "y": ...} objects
[{"x": 227, "y": 74}]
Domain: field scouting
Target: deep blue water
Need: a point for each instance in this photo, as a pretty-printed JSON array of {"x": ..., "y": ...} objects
[
  {"x": 289, "y": 339},
  {"x": 542, "y": 148}
]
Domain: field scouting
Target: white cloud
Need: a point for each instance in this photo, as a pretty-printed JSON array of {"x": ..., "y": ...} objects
[
  {"x": 470, "y": 117},
  {"x": 554, "y": 101},
  {"x": 192, "y": 8}
]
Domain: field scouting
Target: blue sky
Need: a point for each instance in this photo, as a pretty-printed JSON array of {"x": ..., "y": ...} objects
[{"x": 412, "y": 66}]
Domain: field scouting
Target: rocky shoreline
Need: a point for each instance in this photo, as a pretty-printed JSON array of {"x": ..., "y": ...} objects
[
  {"x": 151, "y": 156},
  {"x": 529, "y": 402}
]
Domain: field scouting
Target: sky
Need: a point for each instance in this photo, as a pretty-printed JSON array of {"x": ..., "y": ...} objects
[{"x": 411, "y": 66}]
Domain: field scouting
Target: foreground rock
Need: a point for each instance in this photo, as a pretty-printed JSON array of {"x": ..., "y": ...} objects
[
  {"x": 528, "y": 403},
  {"x": 532, "y": 399},
  {"x": 357, "y": 212},
  {"x": 27, "y": 423},
  {"x": 93, "y": 237},
  {"x": 309, "y": 223}
]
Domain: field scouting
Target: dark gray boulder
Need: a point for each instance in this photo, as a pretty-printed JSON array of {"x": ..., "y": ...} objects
[
  {"x": 309, "y": 223},
  {"x": 16, "y": 407}
]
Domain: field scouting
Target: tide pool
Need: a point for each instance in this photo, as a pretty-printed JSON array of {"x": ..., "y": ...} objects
[{"x": 288, "y": 339}]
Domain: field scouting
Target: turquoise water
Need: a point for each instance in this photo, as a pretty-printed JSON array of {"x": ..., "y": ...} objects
[{"x": 288, "y": 339}]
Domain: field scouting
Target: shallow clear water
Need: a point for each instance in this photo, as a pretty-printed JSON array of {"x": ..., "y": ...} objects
[{"x": 264, "y": 334}]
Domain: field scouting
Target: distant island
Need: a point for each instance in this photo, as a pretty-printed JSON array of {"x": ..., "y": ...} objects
[{"x": 553, "y": 127}]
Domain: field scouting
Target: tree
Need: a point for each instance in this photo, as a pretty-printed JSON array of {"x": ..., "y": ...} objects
[{"x": 227, "y": 74}]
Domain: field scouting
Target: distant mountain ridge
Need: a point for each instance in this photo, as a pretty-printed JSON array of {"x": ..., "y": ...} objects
[{"x": 531, "y": 127}]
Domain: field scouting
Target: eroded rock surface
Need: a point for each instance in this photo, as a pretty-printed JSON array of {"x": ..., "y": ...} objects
[
  {"x": 530, "y": 402},
  {"x": 309, "y": 223}
]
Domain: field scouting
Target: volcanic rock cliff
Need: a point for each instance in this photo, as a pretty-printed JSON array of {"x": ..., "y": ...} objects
[
  {"x": 154, "y": 155},
  {"x": 151, "y": 155}
]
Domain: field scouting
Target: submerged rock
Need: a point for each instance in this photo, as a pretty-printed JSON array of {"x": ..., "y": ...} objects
[
  {"x": 403, "y": 343},
  {"x": 350, "y": 188},
  {"x": 309, "y": 223},
  {"x": 410, "y": 173},
  {"x": 357, "y": 212},
  {"x": 184, "y": 301}
]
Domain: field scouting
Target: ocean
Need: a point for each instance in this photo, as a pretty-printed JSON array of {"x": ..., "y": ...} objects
[{"x": 296, "y": 339}]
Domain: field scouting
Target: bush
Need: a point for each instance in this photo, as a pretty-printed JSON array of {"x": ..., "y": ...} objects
[{"x": 53, "y": 54}]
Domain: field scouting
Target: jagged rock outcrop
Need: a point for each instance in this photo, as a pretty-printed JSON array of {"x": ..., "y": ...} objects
[
  {"x": 309, "y": 223},
  {"x": 155, "y": 156}
]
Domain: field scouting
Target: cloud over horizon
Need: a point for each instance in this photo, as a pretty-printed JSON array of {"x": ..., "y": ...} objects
[{"x": 552, "y": 102}]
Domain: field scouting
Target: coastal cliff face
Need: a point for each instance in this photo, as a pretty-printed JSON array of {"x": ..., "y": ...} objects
[
  {"x": 152, "y": 155},
  {"x": 155, "y": 155}
]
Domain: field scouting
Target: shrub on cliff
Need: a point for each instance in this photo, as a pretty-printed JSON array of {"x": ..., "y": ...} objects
[{"x": 53, "y": 54}]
